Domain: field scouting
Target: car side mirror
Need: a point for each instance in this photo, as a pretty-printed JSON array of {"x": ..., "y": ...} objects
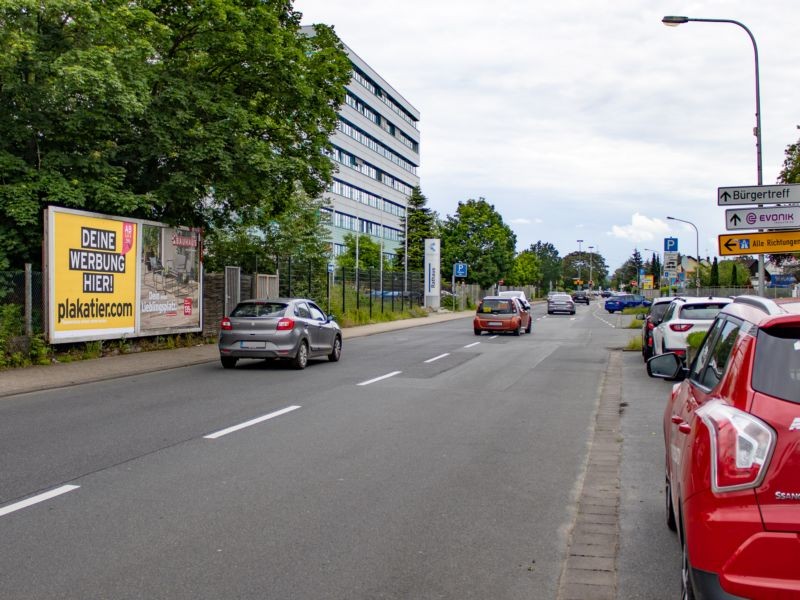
[
  {"x": 640, "y": 317},
  {"x": 667, "y": 366},
  {"x": 330, "y": 318}
]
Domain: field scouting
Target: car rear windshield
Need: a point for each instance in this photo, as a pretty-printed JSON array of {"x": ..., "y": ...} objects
[
  {"x": 776, "y": 370},
  {"x": 496, "y": 307},
  {"x": 259, "y": 309},
  {"x": 701, "y": 311}
]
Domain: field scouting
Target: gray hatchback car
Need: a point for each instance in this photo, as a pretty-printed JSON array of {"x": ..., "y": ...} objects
[{"x": 294, "y": 329}]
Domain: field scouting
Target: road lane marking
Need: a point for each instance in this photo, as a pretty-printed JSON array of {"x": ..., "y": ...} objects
[
  {"x": 435, "y": 358},
  {"x": 494, "y": 337},
  {"x": 272, "y": 415},
  {"x": 472, "y": 344},
  {"x": 382, "y": 377},
  {"x": 36, "y": 499}
]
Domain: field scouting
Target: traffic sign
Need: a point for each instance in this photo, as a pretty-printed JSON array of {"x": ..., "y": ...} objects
[
  {"x": 670, "y": 244},
  {"x": 767, "y": 242},
  {"x": 759, "y": 194},
  {"x": 770, "y": 217},
  {"x": 670, "y": 261},
  {"x": 460, "y": 269}
]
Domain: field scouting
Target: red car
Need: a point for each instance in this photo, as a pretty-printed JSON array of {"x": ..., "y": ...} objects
[
  {"x": 732, "y": 439},
  {"x": 499, "y": 314}
]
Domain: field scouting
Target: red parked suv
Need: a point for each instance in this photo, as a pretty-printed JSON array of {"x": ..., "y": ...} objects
[{"x": 732, "y": 438}]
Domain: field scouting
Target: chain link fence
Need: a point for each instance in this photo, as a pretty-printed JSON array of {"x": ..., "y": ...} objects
[{"x": 21, "y": 303}]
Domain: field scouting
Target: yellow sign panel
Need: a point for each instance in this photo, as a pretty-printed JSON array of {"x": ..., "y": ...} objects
[
  {"x": 767, "y": 242},
  {"x": 648, "y": 282},
  {"x": 94, "y": 271}
]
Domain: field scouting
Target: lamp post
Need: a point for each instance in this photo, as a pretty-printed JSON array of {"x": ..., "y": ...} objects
[
  {"x": 591, "y": 279},
  {"x": 697, "y": 238},
  {"x": 579, "y": 259},
  {"x": 673, "y": 21}
]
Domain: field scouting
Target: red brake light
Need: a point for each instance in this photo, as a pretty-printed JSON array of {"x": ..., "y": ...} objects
[
  {"x": 741, "y": 446},
  {"x": 650, "y": 325},
  {"x": 225, "y": 325},
  {"x": 285, "y": 324},
  {"x": 681, "y": 326}
]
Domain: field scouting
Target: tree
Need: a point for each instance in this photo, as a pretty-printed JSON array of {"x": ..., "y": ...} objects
[
  {"x": 369, "y": 254},
  {"x": 714, "y": 279},
  {"x": 421, "y": 225},
  {"x": 185, "y": 113},
  {"x": 582, "y": 266},
  {"x": 629, "y": 271},
  {"x": 477, "y": 235},
  {"x": 525, "y": 270},
  {"x": 549, "y": 264},
  {"x": 789, "y": 174}
]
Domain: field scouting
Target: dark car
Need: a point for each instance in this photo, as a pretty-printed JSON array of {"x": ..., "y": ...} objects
[
  {"x": 622, "y": 301},
  {"x": 581, "y": 296},
  {"x": 499, "y": 314},
  {"x": 731, "y": 440},
  {"x": 653, "y": 317},
  {"x": 295, "y": 329}
]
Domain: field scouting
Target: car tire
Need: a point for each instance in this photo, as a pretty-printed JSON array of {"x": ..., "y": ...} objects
[
  {"x": 336, "y": 350},
  {"x": 477, "y": 331},
  {"x": 687, "y": 589},
  {"x": 670, "y": 511},
  {"x": 572, "y": 313},
  {"x": 530, "y": 324},
  {"x": 301, "y": 358},
  {"x": 228, "y": 362},
  {"x": 518, "y": 330},
  {"x": 549, "y": 312}
]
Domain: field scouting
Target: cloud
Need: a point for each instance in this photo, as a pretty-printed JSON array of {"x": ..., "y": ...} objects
[
  {"x": 641, "y": 229},
  {"x": 521, "y": 221}
]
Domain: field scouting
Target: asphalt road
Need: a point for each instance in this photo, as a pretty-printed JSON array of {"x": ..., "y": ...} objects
[{"x": 428, "y": 463}]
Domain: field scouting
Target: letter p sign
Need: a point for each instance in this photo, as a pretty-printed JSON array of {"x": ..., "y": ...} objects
[{"x": 670, "y": 244}]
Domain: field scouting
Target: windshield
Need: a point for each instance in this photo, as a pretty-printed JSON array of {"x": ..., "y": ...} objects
[{"x": 777, "y": 365}]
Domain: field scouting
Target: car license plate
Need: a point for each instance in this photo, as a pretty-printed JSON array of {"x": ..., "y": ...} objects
[
  {"x": 494, "y": 323},
  {"x": 253, "y": 345}
]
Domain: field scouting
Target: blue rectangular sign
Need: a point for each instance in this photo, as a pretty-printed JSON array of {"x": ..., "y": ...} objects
[{"x": 670, "y": 244}]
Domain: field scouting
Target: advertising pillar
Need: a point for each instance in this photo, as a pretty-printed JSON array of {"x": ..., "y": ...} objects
[{"x": 432, "y": 273}]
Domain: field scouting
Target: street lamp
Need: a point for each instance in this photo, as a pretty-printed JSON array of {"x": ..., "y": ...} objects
[
  {"x": 673, "y": 21},
  {"x": 591, "y": 279},
  {"x": 697, "y": 238},
  {"x": 579, "y": 259}
]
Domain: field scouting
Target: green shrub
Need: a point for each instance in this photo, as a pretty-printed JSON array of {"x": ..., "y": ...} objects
[
  {"x": 694, "y": 339},
  {"x": 634, "y": 344}
]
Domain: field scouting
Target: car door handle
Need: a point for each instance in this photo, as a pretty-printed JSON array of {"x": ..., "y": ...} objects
[{"x": 683, "y": 426}]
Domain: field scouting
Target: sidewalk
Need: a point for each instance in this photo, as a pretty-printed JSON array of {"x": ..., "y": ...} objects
[{"x": 32, "y": 379}]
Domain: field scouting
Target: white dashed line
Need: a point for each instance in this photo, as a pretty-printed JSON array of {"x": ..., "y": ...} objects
[
  {"x": 36, "y": 499},
  {"x": 272, "y": 415},
  {"x": 381, "y": 378},
  {"x": 472, "y": 345},
  {"x": 494, "y": 337},
  {"x": 435, "y": 358}
]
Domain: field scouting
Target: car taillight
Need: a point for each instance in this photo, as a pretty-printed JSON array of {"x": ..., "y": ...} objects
[
  {"x": 225, "y": 325},
  {"x": 681, "y": 326},
  {"x": 650, "y": 325},
  {"x": 285, "y": 325},
  {"x": 741, "y": 446}
]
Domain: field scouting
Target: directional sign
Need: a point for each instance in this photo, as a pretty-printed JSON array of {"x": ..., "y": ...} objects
[
  {"x": 460, "y": 269},
  {"x": 759, "y": 194},
  {"x": 670, "y": 244},
  {"x": 771, "y": 217},
  {"x": 767, "y": 242}
]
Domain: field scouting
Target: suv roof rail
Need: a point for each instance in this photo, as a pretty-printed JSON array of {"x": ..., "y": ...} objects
[{"x": 768, "y": 306}]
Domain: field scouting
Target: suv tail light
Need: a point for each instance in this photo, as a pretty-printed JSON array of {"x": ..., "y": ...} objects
[
  {"x": 650, "y": 325},
  {"x": 285, "y": 324},
  {"x": 681, "y": 326},
  {"x": 741, "y": 446},
  {"x": 225, "y": 325}
]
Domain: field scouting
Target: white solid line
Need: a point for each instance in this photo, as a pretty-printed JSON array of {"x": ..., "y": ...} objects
[
  {"x": 392, "y": 374},
  {"x": 430, "y": 360},
  {"x": 272, "y": 415},
  {"x": 36, "y": 499},
  {"x": 472, "y": 344}
]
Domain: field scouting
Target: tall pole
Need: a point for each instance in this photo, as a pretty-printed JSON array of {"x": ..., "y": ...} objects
[
  {"x": 697, "y": 239},
  {"x": 580, "y": 253},
  {"x": 674, "y": 22},
  {"x": 591, "y": 280}
]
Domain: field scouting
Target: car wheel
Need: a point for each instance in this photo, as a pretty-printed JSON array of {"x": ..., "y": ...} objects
[
  {"x": 301, "y": 358},
  {"x": 687, "y": 589},
  {"x": 530, "y": 324},
  {"x": 477, "y": 331},
  {"x": 518, "y": 330},
  {"x": 549, "y": 312},
  {"x": 671, "y": 524},
  {"x": 228, "y": 362},
  {"x": 336, "y": 351}
]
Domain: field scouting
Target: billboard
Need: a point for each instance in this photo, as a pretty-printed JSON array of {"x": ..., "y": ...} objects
[{"x": 111, "y": 277}]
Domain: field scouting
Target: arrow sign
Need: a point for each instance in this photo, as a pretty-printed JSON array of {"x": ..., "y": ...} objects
[
  {"x": 766, "y": 242},
  {"x": 767, "y": 217},
  {"x": 759, "y": 194}
]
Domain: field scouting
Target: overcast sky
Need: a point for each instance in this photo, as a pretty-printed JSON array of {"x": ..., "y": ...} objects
[{"x": 585, "y": 119}]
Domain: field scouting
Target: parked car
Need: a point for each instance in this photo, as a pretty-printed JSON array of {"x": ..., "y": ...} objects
[
  {"x": 560, "y": 303},
  {"x": 731, "y": 440},
  {"x": 682, "y": 317},
  {"x": 655, "y": 313},
  {"x": 516, "y": 294},
  {"x": 498, "y": 314},
  {"x": 622, "y": 301},
  {"x": 581, "y": 296},
  {"x": 295, "y": 329}
]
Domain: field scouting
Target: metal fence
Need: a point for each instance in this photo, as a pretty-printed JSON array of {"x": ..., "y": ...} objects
[{"x": 21, "y": 302}]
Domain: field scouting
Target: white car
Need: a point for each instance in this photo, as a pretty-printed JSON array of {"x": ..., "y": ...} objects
[
  {"x": 685, "y": 316},
  {"x": 516, "y": 294}
]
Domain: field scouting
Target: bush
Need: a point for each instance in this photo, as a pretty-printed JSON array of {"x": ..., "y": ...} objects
[{"x": 695, "y": 338}]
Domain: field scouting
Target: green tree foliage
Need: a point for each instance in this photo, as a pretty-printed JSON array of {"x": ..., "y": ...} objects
[
  {"x": 549, "y": 264},
  {"x": 583, "y": 265},
  {"x": 185, "y": 113},
  {"x": 628, "y": 272},
  {"x": 422, "y": 225},
  {"x": 477, "y": 235},
  {"x": 525, "y": 270},
  {"x": 369, "y": 254},
  {"x": 714, "y": 277},
  {"x": 789, "y": 174}
]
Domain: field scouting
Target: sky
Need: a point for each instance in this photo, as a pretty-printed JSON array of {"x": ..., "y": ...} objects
[{"x": 586, "y": 119}]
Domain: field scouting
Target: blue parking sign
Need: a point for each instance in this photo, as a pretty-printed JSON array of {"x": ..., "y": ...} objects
[
  {"x": 670, "y": 244},
  {"x": 460, "y": 269}
]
